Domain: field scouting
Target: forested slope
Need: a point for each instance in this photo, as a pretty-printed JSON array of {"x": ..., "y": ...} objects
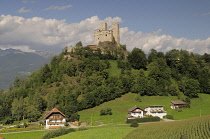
[{"x": 81, "y": 79}]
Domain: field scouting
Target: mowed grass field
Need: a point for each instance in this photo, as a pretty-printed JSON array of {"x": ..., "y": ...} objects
[
  {"x": 120, "y": 106},
  {"x": 103, "y": 132},
  {"x": 24, "y": 135}
]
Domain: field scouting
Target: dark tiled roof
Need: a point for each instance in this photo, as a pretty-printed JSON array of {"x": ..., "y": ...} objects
[
  {"x": 133, "y": 108},
  {"x": 178, "y": 102},
  {"x": 54, "y": 110},
  {"x": 154, "y": 106}
]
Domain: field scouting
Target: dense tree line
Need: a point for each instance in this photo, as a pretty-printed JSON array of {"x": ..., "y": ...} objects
[{"x": 80, "y": 79}]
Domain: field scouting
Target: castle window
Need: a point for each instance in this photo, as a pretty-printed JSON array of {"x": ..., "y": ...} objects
[
  {"x": 106, "y": 34},
  {"x": 98, "y": 38}
]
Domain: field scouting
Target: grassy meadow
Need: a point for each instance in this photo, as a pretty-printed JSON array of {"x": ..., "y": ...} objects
[
  {"x": 103, "y": 132},
  {"x": 121, "y": 105},
  {"x": 114, "y": 70},
  {"x": 24, "y": 135}
]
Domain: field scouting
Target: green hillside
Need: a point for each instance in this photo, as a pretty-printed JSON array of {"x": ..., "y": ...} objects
[
  {"x": 196, "y": 128},
  {"x": 121, "y": 105},
  {"x": 87, "y": 80}
]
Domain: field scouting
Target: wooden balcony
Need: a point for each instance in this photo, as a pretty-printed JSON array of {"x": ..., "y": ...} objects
[{"x": 55, "y": 123}]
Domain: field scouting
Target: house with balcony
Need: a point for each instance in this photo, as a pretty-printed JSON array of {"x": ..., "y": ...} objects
[
  {"x": 155, "y": 110},
  {"x": 135, "y": 112},
  {"x": 54, "y": 119}
]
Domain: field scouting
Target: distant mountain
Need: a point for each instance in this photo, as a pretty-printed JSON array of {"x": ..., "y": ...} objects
[
  {"x": 7, "y": 51},
  {"x": 18, "y": 64},
  {"x": 46, "y": 54}
]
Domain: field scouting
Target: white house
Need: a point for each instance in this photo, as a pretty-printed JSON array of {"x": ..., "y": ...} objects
[
  {"x": 54, "y": 119},
  {"x": 155, "y": 110},
  {"x": 135, "y": 112}
]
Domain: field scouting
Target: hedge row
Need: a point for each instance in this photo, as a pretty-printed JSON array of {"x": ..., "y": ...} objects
[
  {"x": 58, "y": 132},
  {"x": 142, "y": 120}
]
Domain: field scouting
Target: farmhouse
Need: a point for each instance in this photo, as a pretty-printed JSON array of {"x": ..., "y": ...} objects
[
  {"x": 135, "y": 112},
  {"x": 178, "y": 104},
  {"x": 54, "y": 119},
  {"x": 155, "y": 110}
]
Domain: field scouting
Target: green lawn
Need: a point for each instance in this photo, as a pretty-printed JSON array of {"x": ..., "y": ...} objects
[
  {"x": 104, "y": 132},
  {"x": 114, "y": 70},
  {"x": 121, "y": 105},
  {"x": 24, "y": 135}
]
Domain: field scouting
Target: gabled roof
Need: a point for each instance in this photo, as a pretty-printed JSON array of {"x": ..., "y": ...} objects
[
  {"x": 178, "y": 102},
  {"x": 54, "y": 110},
  {"x": 154, "y": 106},
  {"x": 133, "y": 108}
]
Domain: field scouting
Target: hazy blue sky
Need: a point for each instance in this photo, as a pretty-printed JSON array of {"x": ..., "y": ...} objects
[{"x": 176, "y": 21}]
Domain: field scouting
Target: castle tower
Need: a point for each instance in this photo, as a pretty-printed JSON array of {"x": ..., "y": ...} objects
[
  {"x": 103, "y": 26},
  {"x": 102, "y": 34},
  {"x": 116, "y": 32}
]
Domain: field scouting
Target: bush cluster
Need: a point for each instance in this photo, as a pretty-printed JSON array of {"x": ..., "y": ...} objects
[
  {"x": 57, "y": 132},
  {"x": 106, "y": 111},
  {"x": 169, "y": 117},
  {"x": 142, "y": 120},
  {"x": 82, "y": 128},
  {"x": 134, "y": 124}
]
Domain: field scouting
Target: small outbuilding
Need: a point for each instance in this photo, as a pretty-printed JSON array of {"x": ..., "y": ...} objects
[{"x": 178, "y": 104}]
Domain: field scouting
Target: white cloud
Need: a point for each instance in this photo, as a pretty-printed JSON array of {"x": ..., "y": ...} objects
[
  {"x": 208, "y": 13},
  {"x": 46, "y": 34},
  {"x": 163, "y": 43},
  {"x": 29, "y": 34},
  {"x": 23, "y": 10},
  {"x": 58, "y": 7}
]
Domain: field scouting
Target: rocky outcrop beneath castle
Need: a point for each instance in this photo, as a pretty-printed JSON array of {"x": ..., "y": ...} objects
[{"x": 108, "y": 45}]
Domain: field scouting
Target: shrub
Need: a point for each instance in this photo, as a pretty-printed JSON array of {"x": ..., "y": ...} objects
[
  {"x": 57, "y": 132},
  {"x": 8, "y": 120},
  {"x": 17, "y": 126},
  {"x": 107, "y": 111},
  {"x": 179, "y": 110},
  {"x": 169, "y": 117},
  {"x": 142, "y": 120},
  {"x": 41, "y": 123},
  {"x": 138, "y": 98},
  {"x": 134, "y": 124},
  {"x": 82, "y": 128},
  {"x": 66, "y": 124},
  {"x": 25, "y": 125}
]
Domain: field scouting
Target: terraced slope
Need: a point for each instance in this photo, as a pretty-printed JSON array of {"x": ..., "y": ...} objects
[{"x": 196, "y": 128}]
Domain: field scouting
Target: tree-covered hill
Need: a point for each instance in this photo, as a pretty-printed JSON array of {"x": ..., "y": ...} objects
[{"x": 84, "y": 78}]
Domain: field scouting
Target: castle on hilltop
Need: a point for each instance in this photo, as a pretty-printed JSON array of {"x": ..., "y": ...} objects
[{"x": 102, "y": 34}]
